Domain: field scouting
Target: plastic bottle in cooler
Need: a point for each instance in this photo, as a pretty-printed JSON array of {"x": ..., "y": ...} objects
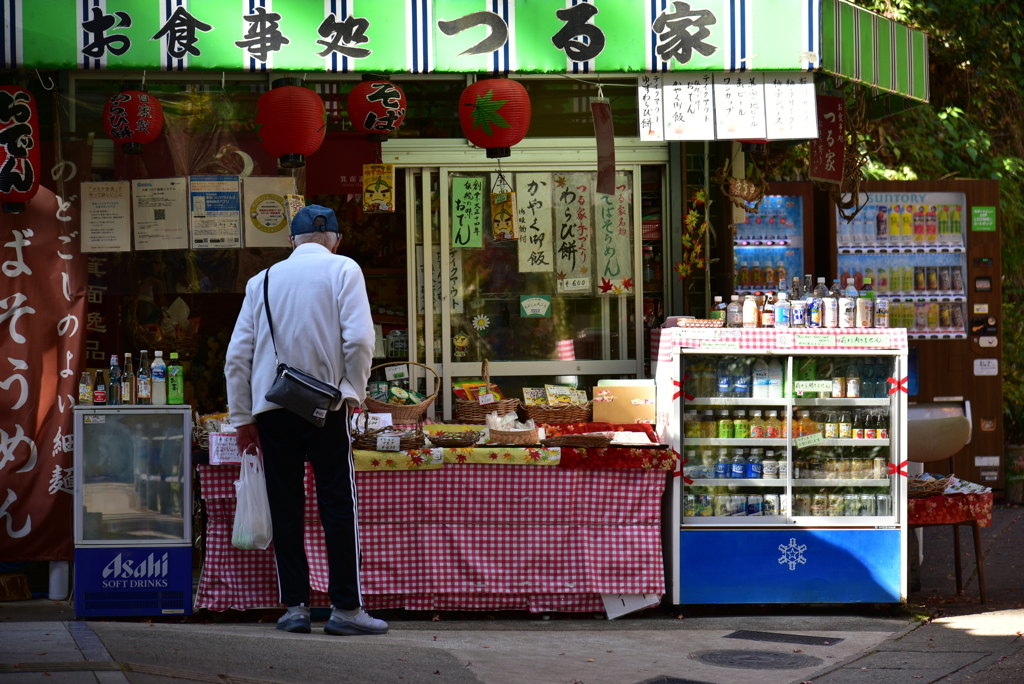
[
  {"x": 845, "y": 424},
  {"x": 739, "y": 465},
  {"x": 858, "y": 425},
  {"x": 943, "y": 224},
  {"x": 755, "y": 465},
  {"x": 770, "y": 465},
  {"x": 769, "y": 275},
  {"x": 744, "y": 275},
  {"x": 740, "y": 424},
  {"x": 757, "y": 425},
  {"x": 773, "y": 426},
  {"x": 740, "y": 370},
  {"x": 853, "y": 379},
  {"x": 724, "y": 378},
  {"x": 756, "y": 276},
  {"x": 761, "y": 380},
  {"x": 775, "y": 379},
  {"x": 780, "y": 274},
  {"x": 723, "y": 466}
]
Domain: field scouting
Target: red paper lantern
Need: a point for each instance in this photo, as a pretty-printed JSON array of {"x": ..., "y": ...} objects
[
  {"x": 19, "y": 148},
  {"x": 133, "y": 118},
  {"x": 495, "y": 115},
  {"x": 291, "y": 122},
  {"x": 376, "y": 107}
]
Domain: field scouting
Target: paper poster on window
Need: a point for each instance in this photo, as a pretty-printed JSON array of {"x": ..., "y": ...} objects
[
  {"x": 215, "y": 204},
  {"x": 265, "y": 199},
  {"x": 160, "y": 213},
  {"x": 467, "y": 211},
  {"x": 574, "y": 221},
  {"x": 739, "y": 106},
  {"x": 649, "y": 108},
  {"x": 613, "y": 240},
  {"x": 535, "y": 233},
  {"x": 789, "y": 105},
  {"x": 106, "y": 225},
  {"x": 504, "y": 225},
  {"x": 379, "y": 188},
  {"x": 689, "y": 106},
  {"x": 452, "y": 275}
]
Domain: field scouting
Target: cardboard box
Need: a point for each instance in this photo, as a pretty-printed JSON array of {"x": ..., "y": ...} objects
[{"x": 625, "y": 405}]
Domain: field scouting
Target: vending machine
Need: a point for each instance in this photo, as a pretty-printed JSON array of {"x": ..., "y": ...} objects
[
  {"x": 777, "y": 242},
  {"x": 932, "y": 248}
]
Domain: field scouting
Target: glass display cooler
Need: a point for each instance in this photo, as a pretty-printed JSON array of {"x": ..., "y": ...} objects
[
  {"x": 791, "y": 488},
  {"x": 133, "y": 506}
]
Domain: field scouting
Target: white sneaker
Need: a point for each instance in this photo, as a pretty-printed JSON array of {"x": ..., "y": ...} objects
[{"x": 360, "y": 623}]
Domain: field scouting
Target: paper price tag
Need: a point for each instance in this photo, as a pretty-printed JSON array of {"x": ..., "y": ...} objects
[
  {"x": 816, "y": 341},
  {"x": 396, "y": 372},
  {"x": 388, "y": 444},
  {"x": 863, "y": 340},
  {"x": 720, "y": 344},
  {"x": 436, "y": 456},
  {"x": 809, "y": 440},
  {"x": 486, "y": 398},
  {"x": 801, "y": 386}
]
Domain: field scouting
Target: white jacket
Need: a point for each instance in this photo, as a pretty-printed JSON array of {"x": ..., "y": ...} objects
[{"x": 322, "y": 324}]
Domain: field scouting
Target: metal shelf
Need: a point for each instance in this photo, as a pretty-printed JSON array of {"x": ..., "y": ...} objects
[
  {"x": 739, "y": 482},
  {"x": 849, "y": 442},
  {"x": 739, "y": 401},
  {"x": 841, "y": 483},
  {"x": 753, "y": 442},
  {"x": 828, "y": 401}
]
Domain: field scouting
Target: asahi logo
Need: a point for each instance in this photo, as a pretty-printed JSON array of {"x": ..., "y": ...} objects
[{"x": 148, "y": 567}]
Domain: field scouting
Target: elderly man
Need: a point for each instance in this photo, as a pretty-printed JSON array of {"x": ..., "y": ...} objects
[{"x": 322, "y": 325}]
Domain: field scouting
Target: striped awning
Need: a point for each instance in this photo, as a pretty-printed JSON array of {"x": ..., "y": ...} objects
[{"x": 861, "y": 46}]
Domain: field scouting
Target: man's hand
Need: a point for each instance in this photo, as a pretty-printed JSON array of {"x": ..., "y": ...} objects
[{"x": 248, "y": 435}]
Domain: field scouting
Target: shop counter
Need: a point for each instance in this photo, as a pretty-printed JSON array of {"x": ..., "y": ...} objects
[{"x": 489, "y": 528}]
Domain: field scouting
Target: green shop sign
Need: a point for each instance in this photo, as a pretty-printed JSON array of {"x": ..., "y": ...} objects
[{"x": 457, "y": 36}]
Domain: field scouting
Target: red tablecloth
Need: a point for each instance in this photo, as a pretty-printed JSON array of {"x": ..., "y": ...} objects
[
  {"x": 951, "y": 508},
  {"x": 464, "y": 537}
]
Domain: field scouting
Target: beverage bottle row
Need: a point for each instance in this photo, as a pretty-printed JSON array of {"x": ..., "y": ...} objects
[
  {"x": 736, "y": 376},
  {"x": 904, "y": 225},
  {"x": 835, "y": 503},
  {"x": 759, "y": 278},
  {"x": 155, "y": 383},
  {"x": 807, "y": 306},
  {"x": 852, "y": 377},
  {"x": 747, "y": 377},
  {"x": 927, "y": 315},
  {"x": 841, "y": 463},
  {"x": 734, "y": 424},
  {"x": 903, "y": 276}
]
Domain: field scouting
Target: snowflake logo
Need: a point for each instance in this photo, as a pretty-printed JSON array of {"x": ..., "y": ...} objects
[{"x": 792, "y": 554}]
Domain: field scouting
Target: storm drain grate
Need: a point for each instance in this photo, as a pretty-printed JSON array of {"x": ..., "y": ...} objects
[
  {"x": 665, "y": 679},
  {"x": 758, "y": 660},
  {"x": 777, "y": 638}
]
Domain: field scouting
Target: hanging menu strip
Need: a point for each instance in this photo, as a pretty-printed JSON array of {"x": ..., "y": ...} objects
[{"x": 689, "y": 107}]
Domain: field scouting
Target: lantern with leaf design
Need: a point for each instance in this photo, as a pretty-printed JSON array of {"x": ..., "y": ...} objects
[
  {"x": 495, "y": 115},
  {"x": 19, "y": 148},
  {"x": 376, "y": 107},
  {"x": 133, "y": 118},
  {"x": 291, "y": 122}
]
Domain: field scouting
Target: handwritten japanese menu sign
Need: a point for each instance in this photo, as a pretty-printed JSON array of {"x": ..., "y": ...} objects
[
  {"x": 689, "y": 107},
  {"x": 106, "y": 209},
  {"x": 611, "y": 240},
  {"x": 573, "y": 232},
  {"x": 452, "y": 275},
  {"x": 467, "y": 211},
  {"x": 789, "y": 105},
  {"x": 535, "y": 234},
  {"x": 739, "y": 106},
  {"x": 650, "y": 109},
  {"x": 828, "y": 148}
]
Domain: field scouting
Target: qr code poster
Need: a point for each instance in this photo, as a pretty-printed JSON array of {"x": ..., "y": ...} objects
[{"x": 160, "y": 213}]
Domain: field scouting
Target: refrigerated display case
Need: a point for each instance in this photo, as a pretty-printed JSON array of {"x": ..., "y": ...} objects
[
  {"x": 792, "y": 487},
  {"x": 775, "y": 241},
  {"x": 133, "y": 510}
]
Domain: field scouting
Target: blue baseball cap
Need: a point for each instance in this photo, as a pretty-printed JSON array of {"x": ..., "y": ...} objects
[{"x": 315, "y": 219}]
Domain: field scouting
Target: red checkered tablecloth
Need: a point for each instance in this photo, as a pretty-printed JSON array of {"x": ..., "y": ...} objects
[{"x": 464, "y": 537}]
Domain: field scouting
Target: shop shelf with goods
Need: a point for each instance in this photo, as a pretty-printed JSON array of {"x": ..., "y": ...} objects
[{"x": 790, "y": 489}]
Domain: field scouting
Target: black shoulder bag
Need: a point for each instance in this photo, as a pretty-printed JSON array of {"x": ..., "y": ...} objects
[{"x": 295, "y": 390}]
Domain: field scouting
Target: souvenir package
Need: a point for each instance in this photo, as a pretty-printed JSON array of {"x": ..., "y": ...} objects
[
  {"x": 559, "y": 394},
  {"x": 378, "y": 391},
  {"x": 535, "y": 396},
  {"x": 397, "y": 395},
  {"x": 579, "y": 397}
]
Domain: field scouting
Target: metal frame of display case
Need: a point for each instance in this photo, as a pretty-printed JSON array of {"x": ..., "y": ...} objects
[{"x": 811, "y": 559}]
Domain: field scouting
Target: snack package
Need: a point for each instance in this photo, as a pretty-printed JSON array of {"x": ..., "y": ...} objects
[
  {"x": 397, "y": 395},
  {"x": 579, "y": 397},
  {"x": 460, "y": 392},
  {"x": 535, "y": 396},
  {"x": 559, "y": 395},
  {"x": 378, "y": 391},
  {"x": 415, "y": 397},
  {"x": 213, "y": 422},
  {"x": 475, "y": 389}
]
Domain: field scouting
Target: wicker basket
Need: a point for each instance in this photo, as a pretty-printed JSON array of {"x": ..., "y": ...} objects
[
  {"x": 518, "y": 437},
  {"x": 404, "y": 413},
  {"x": 564, "y": 413},
  {"x": 581, "y": 441},
  {"x": 406, "y": 440},
  {"x": 454, "y": 440},
  {"x": 920, "y": 489},
  {"x": 476, "y": 413}
]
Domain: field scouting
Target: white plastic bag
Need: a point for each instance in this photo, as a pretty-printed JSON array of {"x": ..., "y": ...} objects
[{"x": 252, "y": 528}]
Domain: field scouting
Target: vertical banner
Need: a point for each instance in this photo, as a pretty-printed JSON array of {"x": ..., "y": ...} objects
[
  {"x": 265, "y": 201},
  {"x": 535, "y": 233},
  {"x": 106, "y": 217},
  {"x": 379, "y": 188},
  {"x": 789, "y": 106},
  {"x": 689, "y": 107},
  {"x": 467, "y": 211},
  {"x": 613, "y": 240},
  {"x": 827, "y": 149},
  {"x": 504, "y": 225},
  {"x": 160, "y": 213},
  {"x": 649, "y": 107},
  {"x": 451, "y": 275},
  {"x": 42, "y": 347},
  {"x": 739, "y": 106},
  {"x": 573, "y": 233},
  {"x": 604, "y": 132}
]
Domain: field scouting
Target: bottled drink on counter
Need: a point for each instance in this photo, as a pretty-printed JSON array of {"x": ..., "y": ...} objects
[
  {"x": 114, "y": 382},
  {"x": 798, "y": 318},
  {"x": 757, "y": 425},
  {"x": 175, "y": 381},
  {"x": 85, "y": 388},
  {"x": 815, "y": 317},
  {"x": 750, "y": 312},
  {"x": 866, "y": 306},
  {"x": 99, "y": 392},
  {"x": 718, "y": 310},
  {"x": 761, "y": 380},
  {"x": 128, "y": 387},
  {"x": 830, "y": 304},
  {"x": 143, "y": 382},
  {"x": 158, "y": 375},
  {"x": 783, "y": 311},
  {"x": 821, "y": 289},
  {"x": 734, "y": 313},
  {"x": 848, "y": 306},
  {"x": 774, "y": 379},
  {"x": 795, "y": 292},
  {"x": 768, "y": 312},
  {"x": 882, "y": 313}
]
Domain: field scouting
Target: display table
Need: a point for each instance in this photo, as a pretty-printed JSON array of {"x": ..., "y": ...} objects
[
  {"x": 974, "y": 510},
  {"x": 441, "y": 533}
]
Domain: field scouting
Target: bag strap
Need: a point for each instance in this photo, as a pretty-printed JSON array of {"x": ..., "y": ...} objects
[{"x": 270, "y": 320}]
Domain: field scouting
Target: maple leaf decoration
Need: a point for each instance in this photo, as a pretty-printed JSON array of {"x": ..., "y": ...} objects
[
  {"x": 560, "y": 182},
  {"x": 485, "y": 113},
  {"x": 693, "y": 237},
  {"x": 560, "y": 275},
  {"x": 605, "y": 285},
  {"x": 627, "y": 283},
  {"x": 583, "y": 269}
]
